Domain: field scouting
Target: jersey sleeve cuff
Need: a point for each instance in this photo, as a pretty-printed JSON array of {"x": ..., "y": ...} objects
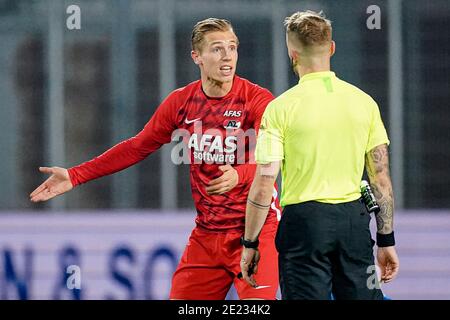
[
  {"x": 73, "y": 177},
  {"x": 373, "y": 145}
]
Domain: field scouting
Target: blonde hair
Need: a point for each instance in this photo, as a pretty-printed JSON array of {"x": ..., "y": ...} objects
[
  {"x": 309, "y": 28},
  {"x": 205, "y": 26}
]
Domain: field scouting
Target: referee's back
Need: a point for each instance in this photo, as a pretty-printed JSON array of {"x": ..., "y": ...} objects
[{"x": 321, "y": 130}]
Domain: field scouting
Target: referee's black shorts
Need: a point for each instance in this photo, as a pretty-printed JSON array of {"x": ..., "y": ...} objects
[{"x": 326, "y": 248}]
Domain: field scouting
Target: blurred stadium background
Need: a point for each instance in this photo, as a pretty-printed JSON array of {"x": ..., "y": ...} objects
[{"x": 68, "y": 95}]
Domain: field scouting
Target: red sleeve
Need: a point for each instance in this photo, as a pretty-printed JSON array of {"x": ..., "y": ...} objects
[
  {"x": 258, "y": 104},
  {"x": 156, "y": 132}
]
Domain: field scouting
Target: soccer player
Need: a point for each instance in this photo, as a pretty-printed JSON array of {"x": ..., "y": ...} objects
[
  {"x": 219, "y": 112},
  {"x": 323, "y": 131}
]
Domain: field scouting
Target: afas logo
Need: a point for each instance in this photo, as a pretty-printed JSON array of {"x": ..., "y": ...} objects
[
  {"x": 232, "y": 113},
  {"x": 231, "y": 124}
]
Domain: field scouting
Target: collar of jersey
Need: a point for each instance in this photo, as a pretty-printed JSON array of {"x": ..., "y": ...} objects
[
  {"x": 215, "y": 100},
  {"x": 317, "y": 75}
]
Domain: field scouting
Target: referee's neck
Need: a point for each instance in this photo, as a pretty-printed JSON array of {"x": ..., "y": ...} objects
[{"x": 304, "y": 70}]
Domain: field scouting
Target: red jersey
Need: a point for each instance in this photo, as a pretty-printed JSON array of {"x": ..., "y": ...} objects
[{"x": 214, "y": 132}]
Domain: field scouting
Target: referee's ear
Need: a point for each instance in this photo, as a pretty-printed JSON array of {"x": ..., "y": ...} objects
[{"x": 332, "y": 48}]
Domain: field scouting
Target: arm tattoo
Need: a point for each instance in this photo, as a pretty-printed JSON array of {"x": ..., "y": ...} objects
[
  {"x": 377, "y": 166},
  {"x": 257, "y": 205}
]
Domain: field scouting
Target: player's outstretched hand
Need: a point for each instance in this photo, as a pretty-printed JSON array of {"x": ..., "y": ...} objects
[
  {"x": 227, "y": 181},
  {"x": 388, "y": 262},
  {"x": 58, "y": 183}
]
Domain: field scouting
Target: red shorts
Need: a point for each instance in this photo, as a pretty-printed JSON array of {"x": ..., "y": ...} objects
[{"x": 211, "y": 262}]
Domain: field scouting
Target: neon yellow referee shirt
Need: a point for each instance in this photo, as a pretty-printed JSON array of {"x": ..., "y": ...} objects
[{"x": 321, "y": 129}]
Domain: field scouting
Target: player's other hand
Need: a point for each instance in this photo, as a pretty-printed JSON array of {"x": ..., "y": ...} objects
[
  {"x": 227, "y": 181},
  {"x": 388, "y": 262},
  {"x": 58, "y": 183},
  {"x": 249, "y": 265}
]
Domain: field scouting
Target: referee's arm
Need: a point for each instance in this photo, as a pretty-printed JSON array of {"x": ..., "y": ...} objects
[
  {"x": 377, "y": 166},
  {"x": 259, "y": 198},
  {"x": 258, "y": 204}
]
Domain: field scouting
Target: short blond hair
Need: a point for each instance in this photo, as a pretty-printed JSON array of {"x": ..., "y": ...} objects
[
  {"x": 205, "y": 26},
  {"x": 309, "y": 28}
]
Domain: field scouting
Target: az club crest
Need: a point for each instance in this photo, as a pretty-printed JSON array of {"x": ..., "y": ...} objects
[{"x": 231, "y": 124}]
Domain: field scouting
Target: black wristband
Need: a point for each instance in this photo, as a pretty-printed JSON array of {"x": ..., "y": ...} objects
[
  {"x": 250, "y": 244},
  {"x": 385, "y": 240}
]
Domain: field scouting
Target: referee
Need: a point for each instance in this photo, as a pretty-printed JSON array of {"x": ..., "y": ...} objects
[{"x": 322, "y": 132}]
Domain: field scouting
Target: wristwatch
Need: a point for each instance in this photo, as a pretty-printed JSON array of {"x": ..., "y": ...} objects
[{"x": 250, "y": 244}]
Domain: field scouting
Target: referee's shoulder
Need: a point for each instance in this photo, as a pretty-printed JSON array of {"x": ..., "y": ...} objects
[
  {"x": 285, "y": 99},
  {"x": 352, "y": 89}
]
